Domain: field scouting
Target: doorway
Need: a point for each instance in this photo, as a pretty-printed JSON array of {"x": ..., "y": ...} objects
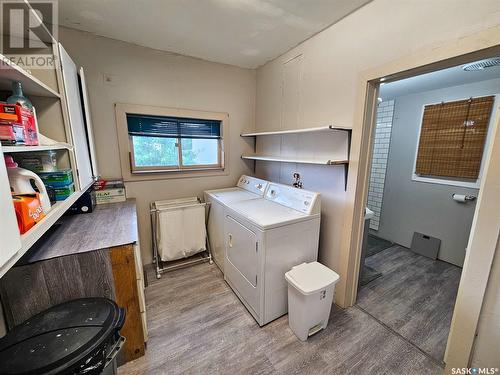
[{"x": 431, "y": 137}]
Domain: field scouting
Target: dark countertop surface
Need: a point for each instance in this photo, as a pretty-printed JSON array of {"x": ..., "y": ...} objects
[{"x": 109, "y": 225}]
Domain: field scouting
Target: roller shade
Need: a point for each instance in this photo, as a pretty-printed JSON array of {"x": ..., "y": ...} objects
[
  {"x": 175, "y": 127},
  {"x": 452, "y": 138}
]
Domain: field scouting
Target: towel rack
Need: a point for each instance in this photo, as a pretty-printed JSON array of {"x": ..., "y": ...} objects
[{"x": 206, "y": 256}]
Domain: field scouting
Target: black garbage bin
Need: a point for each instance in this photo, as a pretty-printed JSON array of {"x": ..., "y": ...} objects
[{"x": 81, "y": 336}]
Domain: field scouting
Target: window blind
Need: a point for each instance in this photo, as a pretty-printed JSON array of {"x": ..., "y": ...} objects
[
  {"x": 452, "y": 138},
  {"x": 174, "y": 127}
]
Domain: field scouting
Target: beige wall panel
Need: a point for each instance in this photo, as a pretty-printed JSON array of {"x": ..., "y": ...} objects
[{"x": 150, "y": 77}]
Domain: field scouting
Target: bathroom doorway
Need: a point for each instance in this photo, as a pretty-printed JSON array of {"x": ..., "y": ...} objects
[{"x": 431, "y": 138}]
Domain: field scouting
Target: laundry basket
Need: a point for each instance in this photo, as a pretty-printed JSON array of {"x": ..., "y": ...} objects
[
  {"x": 179, "y": 232},
  {"x": 311, "y": 288}
]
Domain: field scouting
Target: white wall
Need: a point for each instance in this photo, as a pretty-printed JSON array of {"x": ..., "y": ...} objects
[
  {"x": 329, "y": 74},
  {"x": 414, "y": 206},
  {"x": 151, "y": 77},
  {"x": 487, "y": 342}
]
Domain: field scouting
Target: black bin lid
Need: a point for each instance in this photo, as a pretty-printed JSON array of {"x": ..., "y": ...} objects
[{"x": 60, "y": 337}]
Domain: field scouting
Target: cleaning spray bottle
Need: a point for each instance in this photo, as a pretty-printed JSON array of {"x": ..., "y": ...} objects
[{"x": 20, "y": 182}]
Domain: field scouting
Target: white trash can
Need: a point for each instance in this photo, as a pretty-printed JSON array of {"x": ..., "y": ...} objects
[{"x": 311, "y": 288}]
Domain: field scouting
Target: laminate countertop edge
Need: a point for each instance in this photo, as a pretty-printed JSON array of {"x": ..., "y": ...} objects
[{"x": 109, "y": 225}]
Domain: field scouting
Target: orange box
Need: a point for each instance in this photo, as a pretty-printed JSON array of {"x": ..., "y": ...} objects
[
  {"x": 28, "y": 210},
  {"x": 23, "y": 116}
]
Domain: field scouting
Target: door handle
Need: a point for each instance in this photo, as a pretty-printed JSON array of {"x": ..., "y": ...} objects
[{"x": 230, "y": 240}]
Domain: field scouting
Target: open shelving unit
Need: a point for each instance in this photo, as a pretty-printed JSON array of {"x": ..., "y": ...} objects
[
  {"x": 46, "y": 90},
  {"x": 302, "y": 160}
]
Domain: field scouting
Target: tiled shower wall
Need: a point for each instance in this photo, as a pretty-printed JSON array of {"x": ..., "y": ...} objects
[{"x": 382, "y": 140}]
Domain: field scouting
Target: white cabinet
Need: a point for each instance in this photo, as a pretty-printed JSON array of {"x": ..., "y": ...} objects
[
  {"x": 10, "y": 239},
  {"x": 76, "y": 119}
]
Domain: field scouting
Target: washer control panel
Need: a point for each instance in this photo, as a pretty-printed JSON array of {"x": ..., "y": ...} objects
[
  {"x": 255, "y": 185},
  {"x": 297, "y": 199}
]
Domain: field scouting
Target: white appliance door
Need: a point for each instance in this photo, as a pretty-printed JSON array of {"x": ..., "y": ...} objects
[
  {"x": 77, "y": 124},
  {"x": 10, "y": 241},
  {"x": 242, "y": 262},
  {"x": 88, "y": 121},
  {"x": 242, "y": 250}
]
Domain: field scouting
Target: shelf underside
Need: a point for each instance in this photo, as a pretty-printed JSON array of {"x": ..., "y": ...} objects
[
  {"x": 284, "y": 159},
  {"x": 297, "y": 131},
  {"x": 57, "y": 146}
]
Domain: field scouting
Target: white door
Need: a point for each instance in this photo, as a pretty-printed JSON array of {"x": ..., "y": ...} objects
[
  {"x": 242, "y": 250},
  {"x": 88, "y": 121},
  {"x": 10, "y": 239},
  {"x": 242, "y": 264},
  {"x": 76, "y": 119}
]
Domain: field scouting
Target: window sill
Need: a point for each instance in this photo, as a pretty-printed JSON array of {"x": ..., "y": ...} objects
[
  {"x": 183, "y": 170},
  {"x": 444, "y": 181}
]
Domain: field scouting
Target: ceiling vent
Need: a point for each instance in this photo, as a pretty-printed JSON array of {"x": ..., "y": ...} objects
[{"x": 483, "y": 64}]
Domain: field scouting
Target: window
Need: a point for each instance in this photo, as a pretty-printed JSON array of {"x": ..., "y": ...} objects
[
  {"x": 452, "y": 138},
  {"x": 167, "y": 143}
]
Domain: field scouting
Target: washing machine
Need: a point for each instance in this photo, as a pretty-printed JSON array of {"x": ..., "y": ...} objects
[
  {"x": 264, "y": 238},
  {"x": 247, "y": 188}
]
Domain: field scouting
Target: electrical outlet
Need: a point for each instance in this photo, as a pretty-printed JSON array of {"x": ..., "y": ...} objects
[{"x": 109, "y": 79}]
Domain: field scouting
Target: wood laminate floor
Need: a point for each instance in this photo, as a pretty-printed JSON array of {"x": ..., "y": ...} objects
[
  {"x": 198, "y": 326},
  {"x": 414, "y": 297}
]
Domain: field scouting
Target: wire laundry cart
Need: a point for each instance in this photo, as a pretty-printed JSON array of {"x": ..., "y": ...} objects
[{"x": 179, "y": 234}]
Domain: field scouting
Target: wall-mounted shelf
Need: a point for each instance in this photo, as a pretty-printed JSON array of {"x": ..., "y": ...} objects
[
  {"x": 9, "y": 72},
  {"x": 300, "y": 160},
  {"x": 31, "y": 236},
  {"x": 56, "y": 146},
  {"x": 298, "y": 131},
  {"x": 284, "y": 159}
]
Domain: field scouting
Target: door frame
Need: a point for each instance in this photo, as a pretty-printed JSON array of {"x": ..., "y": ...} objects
[{"x": 484, "y": 232}]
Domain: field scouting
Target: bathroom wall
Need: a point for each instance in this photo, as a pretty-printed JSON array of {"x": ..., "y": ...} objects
[
  {"x": 145, "y": 76},
  {"x": 385, "y": 111},
  {"x": 414, "y": 206}
]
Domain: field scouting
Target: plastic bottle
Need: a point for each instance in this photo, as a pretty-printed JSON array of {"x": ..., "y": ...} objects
[
  {"x": 18, "y": 97},
  {"x": 20, "y": 182}
]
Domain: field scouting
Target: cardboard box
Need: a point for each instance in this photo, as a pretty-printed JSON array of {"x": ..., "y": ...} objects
[
  {"x": 11, "y": 133},
  {"x": 28, "y": 210},
  {"x": 110, "y": 195},
  {"x": 23, "y": 116}
]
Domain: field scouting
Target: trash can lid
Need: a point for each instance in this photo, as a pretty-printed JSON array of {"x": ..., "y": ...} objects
[
  {"x": 309, "y": 278},
  {"x": 60, "y": 337}
]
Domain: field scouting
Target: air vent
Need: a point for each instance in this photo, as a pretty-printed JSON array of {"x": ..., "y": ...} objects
[{"x": 483, "y": 64}]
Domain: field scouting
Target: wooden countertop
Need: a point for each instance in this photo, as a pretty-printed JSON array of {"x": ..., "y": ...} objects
[{"x": 107, "y": 226}]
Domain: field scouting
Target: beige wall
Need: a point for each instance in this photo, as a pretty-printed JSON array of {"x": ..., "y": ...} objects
[
  {"x": 486, "y": 345},
  {"x": 146, "y": 76},
  {"x": 330, "y": 68}
]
